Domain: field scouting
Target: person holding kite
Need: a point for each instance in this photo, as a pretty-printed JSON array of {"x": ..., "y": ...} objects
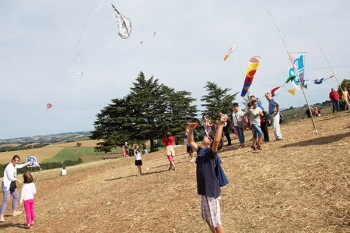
[
  {"x": 274, "y": 111},
  {"x": 9, "y": 186},
  {"x": 209, "y": 180}
]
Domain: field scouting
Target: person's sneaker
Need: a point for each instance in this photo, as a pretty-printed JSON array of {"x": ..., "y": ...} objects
[
  {"x": 2, "y": 219},
  {"x": 15, "y": 213},
  {"x": 29, "y": 227}
]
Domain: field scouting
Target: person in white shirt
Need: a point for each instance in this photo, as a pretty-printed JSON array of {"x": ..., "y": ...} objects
[
  {"x": 254, "y": 114},
  {"x": 27, "y": 197},
  {"x": 9, "y": 186},
  {"x": 63, "y": 171},
  {"x": 238, "y": 119},
  {"x": 138, "y": 158}
]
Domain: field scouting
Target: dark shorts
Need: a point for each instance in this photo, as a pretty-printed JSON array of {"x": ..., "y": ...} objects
[
  {"x": 138, "y": 162},
  {"x": 189, "y": 149}
]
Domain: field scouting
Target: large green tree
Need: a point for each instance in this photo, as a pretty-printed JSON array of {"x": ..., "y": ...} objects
[
  {"x": 146, "y": 113},
  {"x": 217, "y": 99}
]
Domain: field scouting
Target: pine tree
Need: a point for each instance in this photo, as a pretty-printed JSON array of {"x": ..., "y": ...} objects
[
  {"x": 146, "y": 113},
  {"x": 217, "y": 99}
]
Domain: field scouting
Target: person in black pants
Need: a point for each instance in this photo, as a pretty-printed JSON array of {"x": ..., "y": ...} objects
[
  {"x": 226, "y": 129},
  {"x": 264, "y": 124}
]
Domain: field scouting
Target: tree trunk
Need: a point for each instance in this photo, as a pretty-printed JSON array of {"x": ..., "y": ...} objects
[{"x": 152, "y": 145}]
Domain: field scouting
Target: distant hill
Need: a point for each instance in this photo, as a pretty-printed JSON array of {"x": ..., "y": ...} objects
[
  {"x": 288, "y": 114},
  {"x": 51, "y": 138}
]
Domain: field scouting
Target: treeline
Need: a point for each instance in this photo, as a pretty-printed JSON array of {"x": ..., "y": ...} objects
[
  {"x": 44, "y": 166},
  {"x": 152, "y": 109},
  {"x": 22, "y": 147}
]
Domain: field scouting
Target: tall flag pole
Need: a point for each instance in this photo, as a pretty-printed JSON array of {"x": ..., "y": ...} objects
[{"x": 295, "y": 70}]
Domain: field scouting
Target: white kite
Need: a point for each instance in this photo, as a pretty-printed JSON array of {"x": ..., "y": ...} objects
[
  {"x": 33, "y": 160},
  {"x": 124, "y": 24}
]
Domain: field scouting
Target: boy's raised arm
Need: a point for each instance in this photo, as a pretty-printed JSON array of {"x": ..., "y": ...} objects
[
  {"x": 218, "y": 134},
  {"x": 191, "y": 142}
]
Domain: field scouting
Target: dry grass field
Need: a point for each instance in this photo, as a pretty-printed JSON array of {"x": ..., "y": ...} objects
[
  {"x": 46, "y": 152},
  {"x": 299, "y": 184},
  {"x": 40, "y": 153}
]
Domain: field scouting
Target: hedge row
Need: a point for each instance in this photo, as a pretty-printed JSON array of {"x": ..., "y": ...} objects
[{"x": 44, "y": 166}]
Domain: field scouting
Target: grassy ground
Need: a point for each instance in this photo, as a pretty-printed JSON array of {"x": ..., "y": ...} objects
[
  {"x": 299, "y": 184},
  {"x": 87, "y": 154}
]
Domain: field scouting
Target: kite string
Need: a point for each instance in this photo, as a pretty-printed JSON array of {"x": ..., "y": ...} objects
[
  {"x": 295, "y": 70},
  {"x": 85, "y": 26},
  {"x": 81, "y": 73},
  {"x": 240, "y": 63}
]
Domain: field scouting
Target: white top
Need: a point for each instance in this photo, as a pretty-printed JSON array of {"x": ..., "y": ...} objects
[
  {"x": 28, "y": 191},
  {"x": 237, "y": 116},
  {"x": 254, "y": 116},
  {"x": 63, "y": 172},
  {"x": 138, "y": 155},
  {"x": 10, "y": 174}
]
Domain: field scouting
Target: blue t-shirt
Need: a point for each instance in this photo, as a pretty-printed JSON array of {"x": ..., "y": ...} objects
[
  {"x": 207, "y": 182},
  {"x": 272, "y": 106}
]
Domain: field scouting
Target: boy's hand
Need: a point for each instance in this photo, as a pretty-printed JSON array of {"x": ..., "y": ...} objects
[
  {"x": 223, "y": 119},
  {"x": 192, "y": 125}
]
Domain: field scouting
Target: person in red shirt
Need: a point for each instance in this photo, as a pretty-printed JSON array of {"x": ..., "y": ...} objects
[
  {"x": 334, "y": 96},
  {"x": 168, "y": 142}
]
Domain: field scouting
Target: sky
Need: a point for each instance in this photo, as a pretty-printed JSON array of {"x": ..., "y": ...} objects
[{"x": 38, "y": 46}]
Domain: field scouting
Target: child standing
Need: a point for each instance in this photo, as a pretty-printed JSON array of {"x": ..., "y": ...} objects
[
  {"x": 138, "y": 159},
  {"x": 168, "y": 142},
  {"x": 63, "y": 171},
  {"x": 207, "y": 182},
  {"x": 27, "y": 196},
  {"x": 126, "y": 150}
]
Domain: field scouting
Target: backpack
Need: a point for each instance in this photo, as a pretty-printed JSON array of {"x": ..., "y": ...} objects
[{"x": 220, "y": 174}]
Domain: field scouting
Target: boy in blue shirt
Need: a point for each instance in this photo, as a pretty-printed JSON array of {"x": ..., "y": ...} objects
[{"x": 207, "y": 182}]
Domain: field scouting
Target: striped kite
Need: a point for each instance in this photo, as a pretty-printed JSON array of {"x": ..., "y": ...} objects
[{"x": 251, "y": 70}]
